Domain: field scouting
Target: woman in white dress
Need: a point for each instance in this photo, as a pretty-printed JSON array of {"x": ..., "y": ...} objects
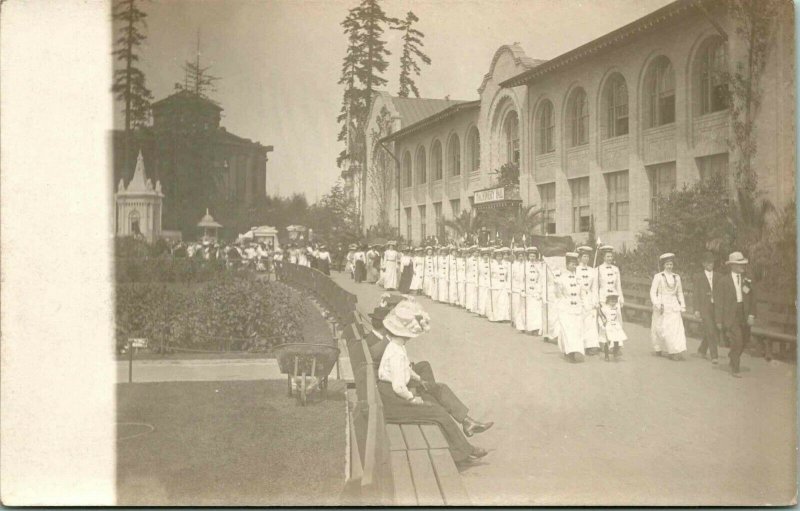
[
  {"x": 429, "y": 279},
  {"x": 471, "y": 287},
  {"x": 666, "y": 293},
  {"x": 518, "y": 290},
  {"x": 419, "y": 270},
  {"x": 570, "y": 310},
  {"x": 390, "y": 259}
]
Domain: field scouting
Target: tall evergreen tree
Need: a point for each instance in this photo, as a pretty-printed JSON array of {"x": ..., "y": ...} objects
[
  {"x": 412, "y": 50},
  {"x": 196, "y": 78},
  {"x": 129, "y": 81},
  {"x": 353, "y": 104}
]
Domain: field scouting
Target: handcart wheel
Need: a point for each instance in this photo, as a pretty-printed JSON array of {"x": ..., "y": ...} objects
[{"x": 303, "y": 390}]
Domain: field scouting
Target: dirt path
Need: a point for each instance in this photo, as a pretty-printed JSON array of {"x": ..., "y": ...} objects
[{"x": 644, "y": 431}]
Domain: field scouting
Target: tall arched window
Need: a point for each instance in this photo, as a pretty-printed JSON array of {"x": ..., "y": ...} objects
[
  {"x": 712, "y": 73},
  {"x": 436, "y": 160},
  {"x": 422, "y": 174},
  {"x": 615, "y": 100},
  {"x": 578, "y": 118},
  {"x": 408, "y": 177},
  {"x": 474, "y": 150},
  {"x": 546, "y": 126},
  {"x": 659, "y": 93},
  {"x": 511, "y": 135},
  {"x": 454, "y": 156}
]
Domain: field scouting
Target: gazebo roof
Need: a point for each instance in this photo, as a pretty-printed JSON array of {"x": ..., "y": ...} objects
[{"x": 208, "y": 221}]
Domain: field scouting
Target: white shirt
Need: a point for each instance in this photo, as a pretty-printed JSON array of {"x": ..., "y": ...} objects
[
  {"x": 710, "y": 277},
  {"x": 395, "y": 368},
  {"x": 737, "y": 284}
]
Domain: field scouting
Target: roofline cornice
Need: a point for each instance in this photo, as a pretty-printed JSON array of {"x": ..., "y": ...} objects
[{"x": 433, "y": 119}]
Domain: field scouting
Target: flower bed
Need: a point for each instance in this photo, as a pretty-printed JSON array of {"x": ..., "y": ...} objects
[{"x": 231, "y": 312}]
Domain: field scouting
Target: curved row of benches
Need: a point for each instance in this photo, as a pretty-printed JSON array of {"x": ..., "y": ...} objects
[{"x": 389, "y": 464}]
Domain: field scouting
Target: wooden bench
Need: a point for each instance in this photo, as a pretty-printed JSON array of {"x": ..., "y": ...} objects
[
  {"x": 421, "y": 470},
  {"x": 776, "y": 320}
]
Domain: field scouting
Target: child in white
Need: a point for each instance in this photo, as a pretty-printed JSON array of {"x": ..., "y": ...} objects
[{"x": 611, "y": 331}]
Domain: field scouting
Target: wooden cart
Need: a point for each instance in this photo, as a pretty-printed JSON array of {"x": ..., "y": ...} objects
[{"x": 302, "y": 361}]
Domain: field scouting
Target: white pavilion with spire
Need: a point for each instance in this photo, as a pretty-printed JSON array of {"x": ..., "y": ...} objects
[{"x": 138, "y": 206}]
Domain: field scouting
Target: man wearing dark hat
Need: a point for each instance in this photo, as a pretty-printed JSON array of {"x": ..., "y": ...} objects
[{"x": 704, "y": 283}]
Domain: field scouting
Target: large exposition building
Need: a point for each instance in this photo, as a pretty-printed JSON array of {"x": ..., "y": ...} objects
[
  {"x": 201, "y": 166},
  {"x": 597, "y": 132}
]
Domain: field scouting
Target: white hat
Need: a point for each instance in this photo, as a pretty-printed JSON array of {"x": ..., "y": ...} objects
[
  {"x": 584, "y": 249},
  {"x": 571, "y": 255},
  {"x": 736, "y": 258},
  {"x": 666, "y": 257},
  {"x": 407, "y": 319}
]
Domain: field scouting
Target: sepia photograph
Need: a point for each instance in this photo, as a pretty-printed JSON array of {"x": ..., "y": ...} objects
[{"x": 438, "y": 253}]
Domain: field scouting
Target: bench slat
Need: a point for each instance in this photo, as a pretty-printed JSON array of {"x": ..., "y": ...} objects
[
  {"x": 396, "y": 441},
  {"x": 404, "y": 494},
  {"x": 413, "y": 437},
  {"x": 424, "y": 478},
  {"x": 450, "y": 483},
  {"x": 356, "y": 470},
  {"x": 434, "y": 437}
]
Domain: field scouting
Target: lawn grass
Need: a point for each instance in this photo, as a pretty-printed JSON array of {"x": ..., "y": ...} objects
[{"x": 237, "y": 443}]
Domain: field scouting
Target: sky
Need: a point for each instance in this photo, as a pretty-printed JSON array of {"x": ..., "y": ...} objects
[{"x": 279, "y": 61}]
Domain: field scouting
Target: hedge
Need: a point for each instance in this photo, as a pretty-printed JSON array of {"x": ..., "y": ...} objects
[
  {"x": 166, "y": 269},
  {"x": 256, "y": 314}
]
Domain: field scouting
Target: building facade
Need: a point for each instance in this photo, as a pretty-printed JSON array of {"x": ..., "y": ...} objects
[
  {"x": 600, "y": 131},
  {"x": 199, "y": 163},
  {"x": 138, "y": 205}
]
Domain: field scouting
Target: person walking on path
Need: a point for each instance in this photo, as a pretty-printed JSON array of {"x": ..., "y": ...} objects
[
  {"x": 407, "y": 397},
  {"x": 485, "y": 283},
  {"x": 612, "y": 336},
  {"x": 518, "y": 290},
  {"x": 444, "y": 275},
  {"x": 360, "y": 262},
  {"x": 406, "y": 264},
  {"x": 666, "y": 293},
  {"x": 461, "y": 276},
  {"x": 324, "y": 260},
  {"x": 735, "y": 308},
  {"x": 390, "y": 260},
  {"x": 570, "y": 311},
  {"x": 471, "y": 288},
  {"x": 373, "y": 265},
  {"x": 419, "y": 270},
  {"x": 534, "y": 291},
  {"x": 452, "y": 277},
  {"x": 587, "y": 278},
  {"x": 429, "y": 280},
  {"x": 704, "y": 285}
]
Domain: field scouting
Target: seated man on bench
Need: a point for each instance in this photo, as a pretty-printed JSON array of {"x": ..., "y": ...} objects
[{"x": 407, "y": 397}]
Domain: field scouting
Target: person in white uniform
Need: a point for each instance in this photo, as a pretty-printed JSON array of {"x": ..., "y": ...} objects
[
  {"x": 501, "y": 286},
  {"x": 485, "y": 283},
  {"x": 452, "y": 276},
  {"x": 429, "y": 279},
  {"x": 419, "y": 270},
  {"x": 587, "y": 278},
  {"x": 518, "y": 290},
  {"x": 570, "y": 311},
  {"x": 461, "y": 277},
  {"x": 534, "y": 291},
  {"x": 471, "y": 280},
  {"x": 612, "y": 336},
  {"x": 666, "y": 293},
  {"x": 444, "y": 275}
]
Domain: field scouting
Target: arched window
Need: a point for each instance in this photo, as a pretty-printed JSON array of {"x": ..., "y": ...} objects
[
  {"x": 474, "y": 150},
  {"x": 615, "y": 100},
  {"x": 436, "y": 160},
  {"x": 454, "y": 156},
  {"x": 408, "y": 177},
  {"x": 578, "y": 118},
  {"x": 422, "y": 175},
  {"x": 712, "y": 73},
  {"x": 133, "y": 222},
  {"x": 511, "y": 135},
  {"x": 659, "y": 93},
  {"x": 546, "y": 125}
]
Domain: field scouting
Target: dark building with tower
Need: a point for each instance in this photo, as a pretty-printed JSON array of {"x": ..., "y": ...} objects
[{"x": 199, "y": 163}]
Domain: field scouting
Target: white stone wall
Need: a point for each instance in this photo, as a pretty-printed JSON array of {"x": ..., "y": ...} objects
[{"x": 691, "y": 135}]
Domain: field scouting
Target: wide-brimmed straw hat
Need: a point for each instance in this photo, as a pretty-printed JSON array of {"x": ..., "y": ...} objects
[
  {"x": 407, "y": 319},
  {"x": 736, "y": 258}
]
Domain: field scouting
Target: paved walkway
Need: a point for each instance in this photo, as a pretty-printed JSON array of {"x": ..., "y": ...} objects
[{"x": 644, "y": 431}]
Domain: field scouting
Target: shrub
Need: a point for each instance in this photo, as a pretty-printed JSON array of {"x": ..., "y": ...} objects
[
  {"x": 201, "y": 316},
  {"x": 167, "y": 270}
]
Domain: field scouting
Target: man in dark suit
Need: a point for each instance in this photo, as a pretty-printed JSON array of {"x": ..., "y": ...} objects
[
  {"x": 735, "y": 308},
  {"x": 704, "y": 283}
]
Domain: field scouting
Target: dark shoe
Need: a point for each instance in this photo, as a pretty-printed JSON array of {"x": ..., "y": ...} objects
[
  {"x": 473, "y": 427},
  {"x": 478, "y": 452},
  {"x": 677, "y": 357},
  {"x": 659, "y": 354},
  {"x": 577, "y": 357},
  {"x": 715, "y": 361}
]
